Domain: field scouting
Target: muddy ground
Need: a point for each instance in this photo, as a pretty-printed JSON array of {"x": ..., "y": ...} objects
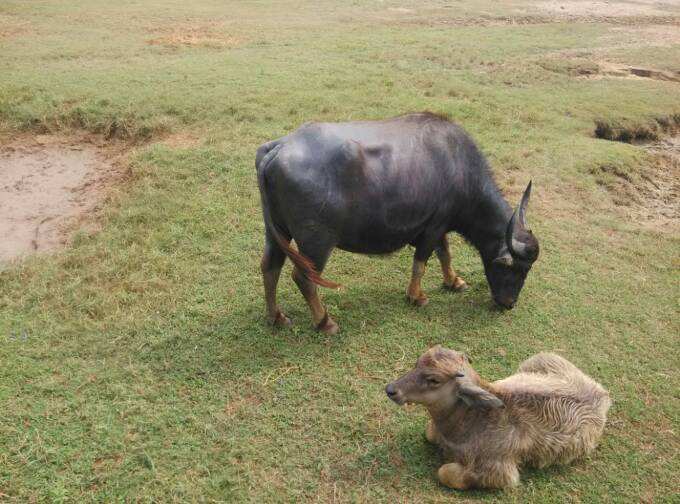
[{"x": 48, "y": 187}]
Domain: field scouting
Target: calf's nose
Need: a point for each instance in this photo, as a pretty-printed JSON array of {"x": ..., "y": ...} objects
[{"x": 390, "y": 390}]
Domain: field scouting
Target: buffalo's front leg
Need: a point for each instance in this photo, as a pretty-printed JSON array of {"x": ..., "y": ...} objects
[
  {"x": 451, "y": 280},
  {"x": 414, "y": 293},
  {"x": 322, "y": 320}
]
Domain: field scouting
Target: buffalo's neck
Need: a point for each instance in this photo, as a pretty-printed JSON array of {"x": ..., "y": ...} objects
[{"x": 482, "y": 220}]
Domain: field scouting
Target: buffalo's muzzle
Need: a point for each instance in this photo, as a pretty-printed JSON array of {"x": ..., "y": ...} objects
[{"x": 506, "y": 303}]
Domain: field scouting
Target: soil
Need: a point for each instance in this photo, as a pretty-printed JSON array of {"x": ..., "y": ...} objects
[
  {"x": 613, "y": 70},
  {"x": 48, "y": 185},
  {"x": 608, "y": 8}
]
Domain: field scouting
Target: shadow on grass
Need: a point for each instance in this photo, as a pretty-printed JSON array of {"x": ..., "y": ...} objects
[{"x": 242, "y": 343}]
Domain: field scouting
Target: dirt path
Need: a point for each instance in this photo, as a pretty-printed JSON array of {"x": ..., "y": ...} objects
[{"x": 610, "y": 8}]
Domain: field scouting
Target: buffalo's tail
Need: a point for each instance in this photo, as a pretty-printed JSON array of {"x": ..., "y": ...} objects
[{"x": 265, "y": 156}]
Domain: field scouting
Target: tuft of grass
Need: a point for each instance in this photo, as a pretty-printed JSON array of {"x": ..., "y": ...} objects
[
  {"x": 637, "y": 132},
  {"x": 147, "y": 372}
]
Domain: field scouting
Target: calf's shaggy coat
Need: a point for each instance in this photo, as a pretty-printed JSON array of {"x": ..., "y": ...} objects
[{"x": 548, "y": 412}]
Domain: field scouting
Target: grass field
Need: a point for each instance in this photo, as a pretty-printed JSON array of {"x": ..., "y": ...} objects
[{"x": 144, "y": 369}]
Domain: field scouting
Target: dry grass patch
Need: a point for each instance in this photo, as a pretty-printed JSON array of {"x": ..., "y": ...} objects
[
  {"x": 194, "y": 35},
  {"x": 181, "y": 140},
  {"x": 649, "y": 194},
  {"x": 11, "y": 27}
]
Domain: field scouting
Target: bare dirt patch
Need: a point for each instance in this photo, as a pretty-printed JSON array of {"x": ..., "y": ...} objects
[
  {"x": 606, "y": 69},
  {"x": 47, "y": 186},
  {"x": 590, "y": 69},
  {"x": 609, "y": 8},
  {"x": 633, "y": 13}
]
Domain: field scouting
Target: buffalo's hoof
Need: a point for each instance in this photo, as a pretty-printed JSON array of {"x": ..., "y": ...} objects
[
  {"x": 281, "y": 320},
  {"x": 327, "y": 325},
  {"x": 419, "y": 301},
  {"x": 330, "y": 327},
  {"x": 458, "y": 285}
]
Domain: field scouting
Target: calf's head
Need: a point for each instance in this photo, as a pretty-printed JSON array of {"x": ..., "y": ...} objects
[
  {"x": 440, "y": 379},
  {"x": 507, "y": 267}
]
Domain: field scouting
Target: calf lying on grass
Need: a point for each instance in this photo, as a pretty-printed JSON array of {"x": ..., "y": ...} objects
[{"x": 548, "y": 412}]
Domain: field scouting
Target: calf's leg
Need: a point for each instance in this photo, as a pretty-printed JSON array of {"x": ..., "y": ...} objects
[
  {"x": 431, "y": 433},
  {"x": 497, "y": 474},
  {"x": 451, "y": 280},
  {"x": 491, "y": 474},
  {"x": 271, "y": 264},
  {"x": 454, "y": 475}
]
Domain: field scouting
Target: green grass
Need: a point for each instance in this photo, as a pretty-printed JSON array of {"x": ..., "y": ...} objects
[{"x": 147, "y": 372}]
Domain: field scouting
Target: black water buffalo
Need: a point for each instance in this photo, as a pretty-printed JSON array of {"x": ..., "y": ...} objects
[{"x": 374, "y": 186}]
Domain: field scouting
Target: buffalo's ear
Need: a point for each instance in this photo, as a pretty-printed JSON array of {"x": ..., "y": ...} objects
[{"x": 476, "y": 397}]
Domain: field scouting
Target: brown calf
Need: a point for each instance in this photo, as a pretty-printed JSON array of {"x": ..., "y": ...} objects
[{"x": 548, "y": 412}]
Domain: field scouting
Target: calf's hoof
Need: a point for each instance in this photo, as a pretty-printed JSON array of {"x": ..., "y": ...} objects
[
  {"x": 453, "y": 476},
  {"x": 458, "y": 285},
  {"x": 328, "y": 326}
]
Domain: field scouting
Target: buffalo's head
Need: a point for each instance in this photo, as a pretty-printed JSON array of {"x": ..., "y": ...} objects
[
  {"x": 440, "y": 378},
  {"x": 508, "y": 267}
]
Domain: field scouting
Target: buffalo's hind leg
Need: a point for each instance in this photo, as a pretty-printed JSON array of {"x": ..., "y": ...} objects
[
  {"x": 318, "y": 255},
  {"x": 272, "y": 262},
  {"x": 451, "y": 280}
]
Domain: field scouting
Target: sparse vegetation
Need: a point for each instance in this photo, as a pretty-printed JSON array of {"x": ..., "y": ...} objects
[
  {"x": 638, "y": 132},
  {"x": 136, "y": 363}
]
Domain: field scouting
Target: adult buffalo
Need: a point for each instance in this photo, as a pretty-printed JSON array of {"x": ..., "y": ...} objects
[{"x": 374, "y": 186}]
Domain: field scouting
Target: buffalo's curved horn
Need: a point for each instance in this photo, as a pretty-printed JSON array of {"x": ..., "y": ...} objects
[
  {"x": 523, "y": 207},
  {"x": 517, "y": 224}
]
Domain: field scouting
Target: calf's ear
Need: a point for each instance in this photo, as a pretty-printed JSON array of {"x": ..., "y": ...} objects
[{"x": 476, "y": 397}]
